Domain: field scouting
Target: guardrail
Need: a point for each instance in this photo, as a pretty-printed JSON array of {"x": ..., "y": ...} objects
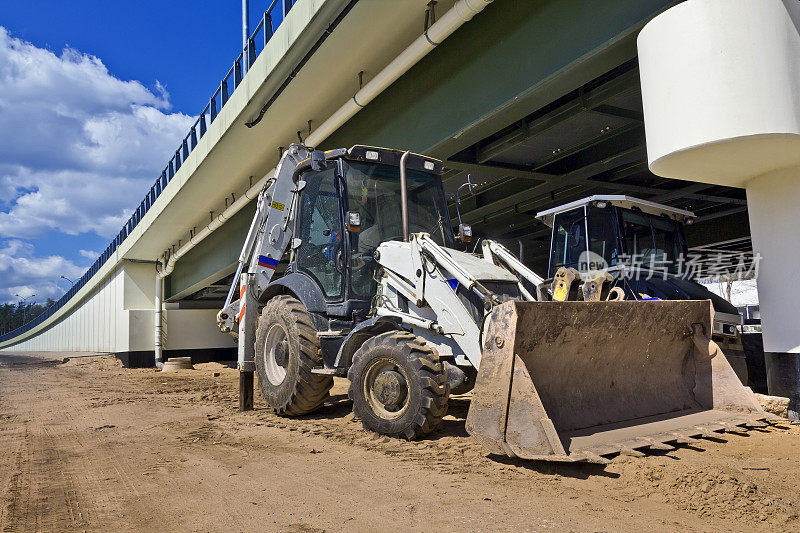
[{"x": 230, "y": 82}]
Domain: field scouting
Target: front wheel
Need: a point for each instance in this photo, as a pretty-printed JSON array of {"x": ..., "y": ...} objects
[
  {"x": 287, "y": 348},
  {"x": 398, "y": 385}
]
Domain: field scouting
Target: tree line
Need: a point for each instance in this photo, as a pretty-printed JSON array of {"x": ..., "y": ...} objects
[{"x": 13, "y": 316}]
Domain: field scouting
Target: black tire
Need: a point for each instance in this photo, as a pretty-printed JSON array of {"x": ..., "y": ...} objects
[
  {"x": 297, "y": 391},
  {"x": 424, "y": 403}
]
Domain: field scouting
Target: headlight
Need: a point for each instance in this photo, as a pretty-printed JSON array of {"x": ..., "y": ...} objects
[{"x": 723, "y": 328}]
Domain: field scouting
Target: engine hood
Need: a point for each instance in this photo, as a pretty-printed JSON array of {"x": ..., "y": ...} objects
[
  {"x": 478, "y": 268},
  {"x": 675, "y": 288}
]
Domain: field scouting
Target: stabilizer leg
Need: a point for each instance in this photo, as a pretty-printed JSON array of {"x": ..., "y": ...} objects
[
  {"x": 248, "y": 316},
  {"x": 245, "y": 390}
]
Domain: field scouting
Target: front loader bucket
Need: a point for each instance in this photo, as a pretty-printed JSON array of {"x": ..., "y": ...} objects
[{"x": 576, "y": 381}]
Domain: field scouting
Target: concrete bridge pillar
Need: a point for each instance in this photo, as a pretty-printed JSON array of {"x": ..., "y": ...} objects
[
  {"x": 186, "y": 330},
  {"x": 721, "y": 92}
]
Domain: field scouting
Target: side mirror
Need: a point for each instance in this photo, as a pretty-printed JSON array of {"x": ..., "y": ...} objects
[
  {"x": 465, "y": 232},
  {"x": 353, "y": 221}
]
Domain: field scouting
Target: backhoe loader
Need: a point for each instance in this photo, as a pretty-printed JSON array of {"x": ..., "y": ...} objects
[
  {"x": 350, "y": 269},
  {"x": 642, "y": 247}
]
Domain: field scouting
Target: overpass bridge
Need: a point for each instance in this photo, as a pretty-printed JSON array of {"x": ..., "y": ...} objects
[{"x": 540, "y": 102}]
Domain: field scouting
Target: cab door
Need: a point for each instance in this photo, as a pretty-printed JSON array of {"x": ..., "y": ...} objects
[
  {"x": 321, "y": 252},
  {"x": 569, "y": 240}
]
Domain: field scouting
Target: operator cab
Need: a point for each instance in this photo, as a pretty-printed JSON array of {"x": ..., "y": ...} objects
[
  {"x": 351, "y": 205},
  {"x": 608, "y": 232}
]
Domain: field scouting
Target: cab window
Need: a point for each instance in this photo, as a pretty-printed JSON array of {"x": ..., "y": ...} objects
[
  {"x": 603, "y": 237},
  {"x": 652, "y": 241},
  {"x": 373, "y": 191},
  {"x": 320, "y": 253},
  {"x": 569, "y": 239}
]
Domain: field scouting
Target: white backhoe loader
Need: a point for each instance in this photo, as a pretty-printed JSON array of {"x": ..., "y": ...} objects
[{"x": 350, "y": 269}]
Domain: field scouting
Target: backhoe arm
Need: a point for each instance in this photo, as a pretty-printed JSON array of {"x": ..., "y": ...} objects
[
  {"x": 271, "y": 232},
  {"x": 495, "y": 253}
]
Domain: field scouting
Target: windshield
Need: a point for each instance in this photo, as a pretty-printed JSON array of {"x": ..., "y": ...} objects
[
  {"x": 373, "y": 191},
  {"x": 652, "y": 242},
  {"x": 603, "y": 237}
]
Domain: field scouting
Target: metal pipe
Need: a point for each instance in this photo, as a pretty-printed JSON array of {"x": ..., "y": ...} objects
[
  {"x": 158, "y": 340},
  {"x": 232, "y": 290},
  {"x": 404, "y": 194},
  {"x": 234, "y": 208},
  {"x": 457, "y": 16}
]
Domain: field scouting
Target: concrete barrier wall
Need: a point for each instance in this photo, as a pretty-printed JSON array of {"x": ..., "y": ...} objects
[
  {"x": 98, "y": 325},
  {"x": 118, "y": 317}
]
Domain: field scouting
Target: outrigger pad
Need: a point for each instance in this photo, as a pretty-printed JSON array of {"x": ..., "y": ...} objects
[{"x": 574, "y": 381}]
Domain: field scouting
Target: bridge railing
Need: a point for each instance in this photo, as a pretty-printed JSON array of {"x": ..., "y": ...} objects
[{"x": 272, "y": 18}]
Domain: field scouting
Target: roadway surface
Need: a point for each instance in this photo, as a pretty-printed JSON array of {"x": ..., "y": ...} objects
[{"x": 89, "y": 445}]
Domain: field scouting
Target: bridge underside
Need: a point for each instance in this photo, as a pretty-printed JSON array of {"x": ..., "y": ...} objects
[
  {"x": 590, "y": 141},
  {"x": 540, "y": 102}
]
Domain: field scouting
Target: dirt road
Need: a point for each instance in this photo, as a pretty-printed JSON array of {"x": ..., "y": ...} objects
[{"x": 89, "y": 445}]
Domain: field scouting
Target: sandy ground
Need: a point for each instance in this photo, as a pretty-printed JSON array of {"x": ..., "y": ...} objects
[{"x": 89, "y": 445}]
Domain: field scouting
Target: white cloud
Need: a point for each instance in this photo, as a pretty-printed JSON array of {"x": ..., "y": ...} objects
[
  {"x": 71, "y": 202},
  {"x": 24, "y": 273},
  {"x": 89, "y": 254},
  {"x": 78, "y": 147}
]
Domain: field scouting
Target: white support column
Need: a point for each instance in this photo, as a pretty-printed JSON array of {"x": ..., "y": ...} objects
[
  {"x": 773, "y": 201},
  {"x": 721, "y": 95}
]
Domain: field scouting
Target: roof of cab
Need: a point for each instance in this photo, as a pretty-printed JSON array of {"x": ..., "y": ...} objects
[{"x": 626, "y": 202}]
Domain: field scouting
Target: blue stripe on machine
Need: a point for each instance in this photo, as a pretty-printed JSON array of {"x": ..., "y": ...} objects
[
  {"x": 453, "y": 283},
  {"x": 268, "y": 262},
  {"x": 648, "y": 298}
]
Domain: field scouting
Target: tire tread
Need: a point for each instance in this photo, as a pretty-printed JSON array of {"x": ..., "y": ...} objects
[
  {"x": 425, "y": 367},
  {"x": 309, "y": 390}
]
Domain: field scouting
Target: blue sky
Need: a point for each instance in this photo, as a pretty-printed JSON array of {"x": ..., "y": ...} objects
[
  {"x": 94, "y": 96},
  {"x": 187, "y": 45}
]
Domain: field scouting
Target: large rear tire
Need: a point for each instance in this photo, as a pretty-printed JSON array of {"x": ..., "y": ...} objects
[
  {"x": 398, "y": 385},
  {"x": 287, "y": 348}
]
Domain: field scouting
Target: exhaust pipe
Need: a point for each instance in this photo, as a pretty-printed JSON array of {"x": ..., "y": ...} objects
[{"x": 404, "y": 194}]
